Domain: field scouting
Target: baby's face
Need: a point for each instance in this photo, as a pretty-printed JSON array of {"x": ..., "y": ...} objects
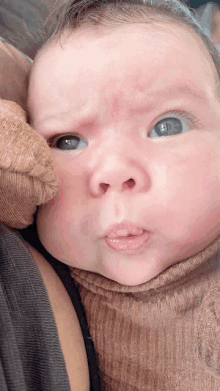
[{"x": 103, "y": 95}]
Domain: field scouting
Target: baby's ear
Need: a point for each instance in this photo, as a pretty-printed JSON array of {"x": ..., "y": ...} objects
[{"x": 27, "y": 175}]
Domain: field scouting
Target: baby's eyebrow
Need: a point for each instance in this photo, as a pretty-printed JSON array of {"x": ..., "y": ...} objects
[
  {"x": 146, "y": 102},
  {"x": 149, "y": 99},
  {"x": 187, "y": 90},
  {"x": 52, "y": 123}
]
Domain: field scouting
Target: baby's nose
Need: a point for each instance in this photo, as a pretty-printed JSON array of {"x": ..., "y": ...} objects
[
  {"x": 130, "y": 183},
  {"x": 118, "y": 176}
]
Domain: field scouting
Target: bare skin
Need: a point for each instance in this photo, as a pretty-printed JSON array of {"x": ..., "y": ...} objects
[
  {"x": 68, "y": 327},
  {"x": 110, "y": 88}
]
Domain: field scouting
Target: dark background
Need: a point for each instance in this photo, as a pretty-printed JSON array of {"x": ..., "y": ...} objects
[
  {"x": 197, "y": 3},
  {"x": 21, "y": 19}
]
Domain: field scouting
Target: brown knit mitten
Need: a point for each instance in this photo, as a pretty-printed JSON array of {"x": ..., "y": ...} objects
[{"x": 27, "y": 176}]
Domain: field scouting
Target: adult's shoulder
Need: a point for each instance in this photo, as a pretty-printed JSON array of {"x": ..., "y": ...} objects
[
  {"x": 69, "y": 331},
  {"x": 41, "y": 342}
]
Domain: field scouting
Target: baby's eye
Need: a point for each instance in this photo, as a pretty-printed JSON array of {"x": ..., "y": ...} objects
[
  {"x": 169, "y": 126},
  {"x": 69, "y": 143}
]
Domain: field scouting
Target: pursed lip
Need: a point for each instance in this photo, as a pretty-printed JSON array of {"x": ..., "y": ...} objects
[{"x": 123, "y": 229}]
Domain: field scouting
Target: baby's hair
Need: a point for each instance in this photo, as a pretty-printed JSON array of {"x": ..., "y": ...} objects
[{"x": 73, "y": 14}]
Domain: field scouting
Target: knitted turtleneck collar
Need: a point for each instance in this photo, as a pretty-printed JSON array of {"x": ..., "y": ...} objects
[
  {"x": 172, "y": 275},
  {"x": 163, "y": 335}
]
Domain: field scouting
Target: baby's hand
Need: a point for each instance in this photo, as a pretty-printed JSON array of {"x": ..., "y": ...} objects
[{"x": 27, "y": 176}]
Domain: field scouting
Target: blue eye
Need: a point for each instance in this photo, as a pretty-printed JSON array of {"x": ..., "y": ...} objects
[
  {"x": 69, "y": 143},
  {"x": 169, "y": 126}
]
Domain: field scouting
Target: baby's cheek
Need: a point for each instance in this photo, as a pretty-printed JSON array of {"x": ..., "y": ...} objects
[
  {"x": 51, "y": 203},
  {"x": 50, "y": 206},
  {"x": 50, "y": 211}
]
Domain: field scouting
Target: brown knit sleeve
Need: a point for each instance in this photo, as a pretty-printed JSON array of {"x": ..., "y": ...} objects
[{"x": 27, "y": 176}]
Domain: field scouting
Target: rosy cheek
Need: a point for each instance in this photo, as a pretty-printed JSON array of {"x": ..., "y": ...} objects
[{"x": 52, "y": 202}]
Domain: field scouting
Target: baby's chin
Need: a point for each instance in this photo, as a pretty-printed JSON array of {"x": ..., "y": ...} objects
[
  {"x": 130, "y": 280},
  {"x": 129, "y": 276}
]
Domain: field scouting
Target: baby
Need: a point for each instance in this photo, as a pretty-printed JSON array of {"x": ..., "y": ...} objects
[{"x": 127, "y": 97}]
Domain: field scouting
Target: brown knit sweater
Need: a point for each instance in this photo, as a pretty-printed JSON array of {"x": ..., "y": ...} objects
[{"x": 163, "y": 335}]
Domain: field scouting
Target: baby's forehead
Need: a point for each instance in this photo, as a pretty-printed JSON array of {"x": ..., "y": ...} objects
[
  {"x": 103, "y": 45},
  {"x": 88, "y": 35},
  {"x": 97, "y": 36}
]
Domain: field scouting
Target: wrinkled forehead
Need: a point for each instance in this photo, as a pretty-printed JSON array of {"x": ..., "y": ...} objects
[{"x": 177, "y": 40}]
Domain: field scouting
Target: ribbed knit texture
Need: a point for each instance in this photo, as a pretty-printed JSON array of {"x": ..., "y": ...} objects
[
  {"x": 31, "y": 358},
  {"x": 27, "y": 176},
  {"x": 163, "y": 335}
]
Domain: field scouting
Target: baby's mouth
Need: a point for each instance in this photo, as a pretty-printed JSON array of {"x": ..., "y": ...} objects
[
  {"x": 129, "y": 243},
  {"x": 125, "y": 233}
]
